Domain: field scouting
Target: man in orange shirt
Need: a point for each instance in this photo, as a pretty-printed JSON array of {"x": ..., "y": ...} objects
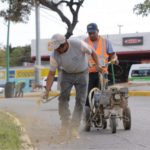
[{"x": 105, "y": 53}]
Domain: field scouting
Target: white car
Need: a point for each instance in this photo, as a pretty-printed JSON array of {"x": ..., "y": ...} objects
[
  {"x": 44, "y": 81},
  {"x": 139, "y": 73},
  {"x": 1, "y": 90}
]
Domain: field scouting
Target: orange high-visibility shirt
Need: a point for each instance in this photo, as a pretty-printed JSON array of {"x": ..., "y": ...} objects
[{"x": 101, "y": 50}]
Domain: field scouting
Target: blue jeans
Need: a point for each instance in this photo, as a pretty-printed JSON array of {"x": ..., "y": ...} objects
[{"x": 67, "y": 81}]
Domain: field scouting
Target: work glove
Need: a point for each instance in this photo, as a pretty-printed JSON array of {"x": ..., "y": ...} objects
[
  {"x": 100, "y": 69},
  {"x": 45, "y": 95},
  {"x": 114, "y": 61}
]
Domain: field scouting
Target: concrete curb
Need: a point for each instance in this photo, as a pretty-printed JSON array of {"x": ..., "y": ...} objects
[
  {"x": 56, "y": 93},
  {"x": 139, "y": 93},
  {"x": 73, "y": 93},
  {"x": 51, "y": 94}
]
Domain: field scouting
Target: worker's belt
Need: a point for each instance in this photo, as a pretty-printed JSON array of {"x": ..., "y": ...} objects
[{"x": 85, "y": 71}]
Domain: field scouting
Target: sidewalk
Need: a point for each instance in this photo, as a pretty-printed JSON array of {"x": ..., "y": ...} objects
[
  {"x": 134, "y": 90},
  {"x": 137, "y": 89}
]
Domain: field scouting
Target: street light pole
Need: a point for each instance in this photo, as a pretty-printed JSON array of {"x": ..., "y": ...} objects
[
  {"x": 38, "y": 57},
  {"x": 7, "y": 49},
  {"x": 120, "y": 26}
]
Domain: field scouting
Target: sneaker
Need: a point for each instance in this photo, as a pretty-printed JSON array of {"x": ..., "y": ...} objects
[{"x": 75, "y": 133}]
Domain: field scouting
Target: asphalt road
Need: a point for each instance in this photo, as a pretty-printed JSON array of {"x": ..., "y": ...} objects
[{"x": 42, "y": 125}]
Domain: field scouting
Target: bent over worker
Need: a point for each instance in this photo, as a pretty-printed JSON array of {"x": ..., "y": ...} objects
[
  {"x": 105, "y": 52},
  {"x": 70, "y": 55}
]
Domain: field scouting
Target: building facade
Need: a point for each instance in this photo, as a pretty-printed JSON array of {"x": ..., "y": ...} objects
[{"x": 132, "y": 48}]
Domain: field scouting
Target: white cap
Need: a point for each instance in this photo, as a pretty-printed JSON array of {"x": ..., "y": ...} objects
[{"x": 56, "y": 41}]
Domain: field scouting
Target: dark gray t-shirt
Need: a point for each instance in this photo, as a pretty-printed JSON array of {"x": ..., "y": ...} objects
[{"x": 74, "y": 60}]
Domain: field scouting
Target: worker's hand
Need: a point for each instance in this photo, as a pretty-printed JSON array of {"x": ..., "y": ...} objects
[
  {"x": 114, "y": 61},
  {"x": 100, "y": 69},
  {"x": 46, "y": 94}
]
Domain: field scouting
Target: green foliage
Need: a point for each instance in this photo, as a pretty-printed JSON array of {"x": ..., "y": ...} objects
[
  {"x": 9, "y": 133},
  {"x": 142, "y": 8},
  {"x": 18, "y": 55},
  {"x": 2, "y": 58},
  {"x": 19, "y": 11}
]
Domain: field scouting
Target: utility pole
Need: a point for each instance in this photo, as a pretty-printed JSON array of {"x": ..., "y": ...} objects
[
  {"x": 120, "y": 26},
  {"x": 38, "y": 57},
  {"x": 7, "y": 49}
]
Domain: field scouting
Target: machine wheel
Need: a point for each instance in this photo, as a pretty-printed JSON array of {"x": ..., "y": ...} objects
[
  {"x": 127, "y": 118},
  {"x": 87, "y": 126},
  {"x": 113, "y": 123}
]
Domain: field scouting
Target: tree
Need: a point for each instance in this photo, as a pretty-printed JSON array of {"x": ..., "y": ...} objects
[
  {"x": 16, "y": 57},
  {"x": 142, "y": 8},
  {"x": 2, "y": 58},
  {"x": 20, "y": 55},
  {"x": 20, "y": 10}
]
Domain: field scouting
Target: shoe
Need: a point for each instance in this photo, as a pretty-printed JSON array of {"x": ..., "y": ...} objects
[{"x": 75, "y": 133}]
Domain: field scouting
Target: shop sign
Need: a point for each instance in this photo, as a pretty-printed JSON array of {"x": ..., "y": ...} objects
[{"x": 128, "y": 41}]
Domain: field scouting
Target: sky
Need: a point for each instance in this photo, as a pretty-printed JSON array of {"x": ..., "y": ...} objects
[{"x": 108, "y": 14}]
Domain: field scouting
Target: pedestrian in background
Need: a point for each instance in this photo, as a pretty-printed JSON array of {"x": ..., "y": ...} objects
[{"x": 19, "y": 89}]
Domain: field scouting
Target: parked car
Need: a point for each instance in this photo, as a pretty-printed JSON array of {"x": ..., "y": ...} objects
[
  {"x": 44, "y": 82},
  {"x": 139, "y": 73},
  {"x": 1, "y": 90}
]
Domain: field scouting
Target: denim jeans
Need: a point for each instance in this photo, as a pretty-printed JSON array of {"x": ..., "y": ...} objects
[{"x": 67, "y": 81}]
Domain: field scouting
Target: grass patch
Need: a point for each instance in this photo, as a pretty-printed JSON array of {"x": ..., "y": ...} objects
[{"x": 9, "y": 133}]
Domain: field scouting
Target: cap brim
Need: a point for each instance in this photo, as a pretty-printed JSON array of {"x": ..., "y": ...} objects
[
  {"x": 91, "y": 30},
  {"x": 52, "y": 46}
]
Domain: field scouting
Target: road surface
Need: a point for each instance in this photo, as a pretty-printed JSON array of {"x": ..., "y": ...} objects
[{"x": 42, "y": 125}]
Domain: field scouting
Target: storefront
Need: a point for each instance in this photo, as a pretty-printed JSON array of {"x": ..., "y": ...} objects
[
  {"x": 132, "y": 48},
  {"x": 25, "y": 74}
]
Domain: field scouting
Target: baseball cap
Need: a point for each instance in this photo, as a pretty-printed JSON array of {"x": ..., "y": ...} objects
[
  {"x": 92, "y": 27},
  {"x": 55, "y": 41}
]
